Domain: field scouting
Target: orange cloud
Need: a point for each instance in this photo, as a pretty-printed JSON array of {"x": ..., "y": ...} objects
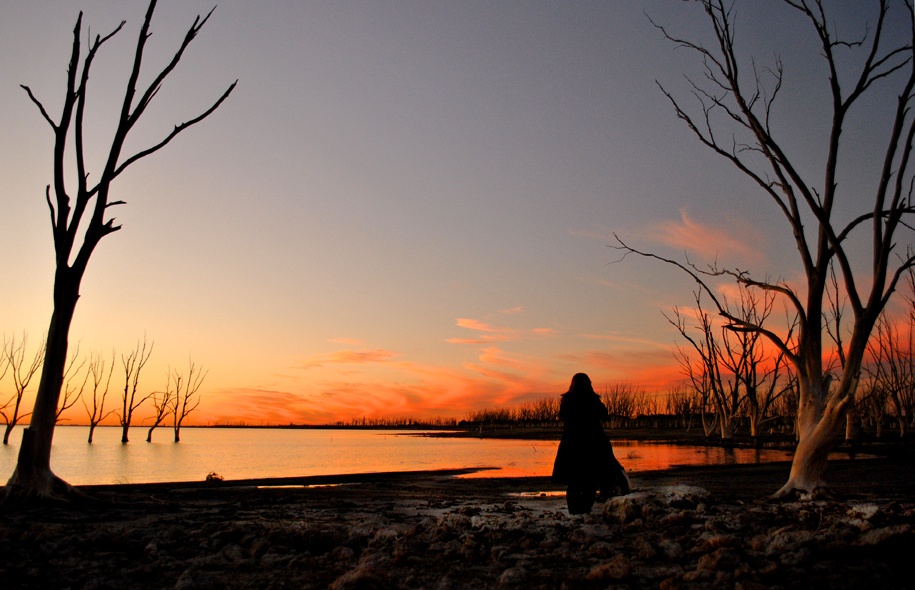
[
  {"x": 739, "y": 238},
  {"x": 351, "y": 357},
  {"x": 477, "y": 325},
  {"x": 261, "y": 406},
  {"x": 491, "y": 334},
  {"x": 374, "y": 382},
  {"x": 496, "y": 356}
]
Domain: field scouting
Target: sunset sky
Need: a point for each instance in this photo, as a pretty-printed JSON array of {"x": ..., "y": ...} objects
[{"x": 404, "y": 208}]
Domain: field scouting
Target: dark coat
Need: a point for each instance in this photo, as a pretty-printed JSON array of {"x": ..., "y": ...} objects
[{"x": 585, "y": 456}]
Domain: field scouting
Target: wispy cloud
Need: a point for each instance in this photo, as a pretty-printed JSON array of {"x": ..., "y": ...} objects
[
  {"x": 349, "y": 357},
  {"x": 623, "y": 338},
  {"x": 264, "y": 406},
  {"x": 489, "y": 334},
  {"x": 739, "y": 239},
  {"x": 477, "y": 325}
]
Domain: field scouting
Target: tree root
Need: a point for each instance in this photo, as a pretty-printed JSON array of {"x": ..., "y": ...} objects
[
  {"x": 57, "y": 493},
  {"x": 791, "y": 493}
]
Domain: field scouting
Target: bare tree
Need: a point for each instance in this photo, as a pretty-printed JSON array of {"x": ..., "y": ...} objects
[
  {"x": 683, "y": 403},
  {"x": 904, "y": 397},
  {"x": 620, "y": 400},
  {"x": 22, "y": 370},
  {"x": 712, "y": 375},
  {"x": 133, "y": 365},
  {"x": 186, "y": 396},
  {"x": 733, "y": 119},
  {"x": 100, "y": 385},
  {"x": 759, "y": 369},
  {"x": 71, "y": 394},
  {"x": 80, "y": 224},
  {"x": 162, "y": 405},
  {"x": 700, "y": 380},
  {"x": 832, "y": 323},
  {"x": 891, "y": 371},
  {"x": 4, "y": 369}
]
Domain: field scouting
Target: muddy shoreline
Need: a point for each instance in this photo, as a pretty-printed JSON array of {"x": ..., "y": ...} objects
[{"x": 696, "y": 527}]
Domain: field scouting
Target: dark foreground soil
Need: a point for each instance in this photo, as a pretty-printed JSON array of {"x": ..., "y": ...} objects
[{"x": 709, "y": 527}]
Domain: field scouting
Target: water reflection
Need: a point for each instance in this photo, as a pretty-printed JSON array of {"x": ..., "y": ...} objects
[{"x": 256, "y": 453}]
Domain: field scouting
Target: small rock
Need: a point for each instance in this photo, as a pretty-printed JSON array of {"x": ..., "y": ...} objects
[
  {"x": 697, "y": 576},
  {"x": 233, "y": 553},
  {"x": 259, "y": 546},
  {"x": 274, "y": 560},
  {"x": 601, "y": 549},
  {"x": 672, "y": 550},
  {"x": 644, "y": 548},
  {"x": 863, "y": 511},
  {"x": 623, "y": 509},
  {"x": 781, "y": 541},
  {"x": 795, "y": 558},
  {"x": 675, "y": 517},
  {"x": 360, "y": 577},
  {"x": 719, "y": 560},
  {"x": 194, "y": 579},
  {"x": 513, "y": 576},
  {"x": 151, "y": 549},
  {"x": 715, "y": 541},
  {"x": 616, "y": 569},
  {"x": 882, "y": 535},
  {"x": 452, "y": 524},
  {"x": 342, "y": 553}
]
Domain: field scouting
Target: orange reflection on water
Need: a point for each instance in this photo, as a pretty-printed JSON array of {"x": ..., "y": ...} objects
[{"x": 635, "y": 456}]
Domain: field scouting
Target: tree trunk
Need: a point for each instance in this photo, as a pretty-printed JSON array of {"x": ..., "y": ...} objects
[
  {"x": 33, "y": 476},
  {"x": 124, "y": 429},
  {"x": 754, "y": 422},
  {"x": 91, "y": 432},
  {"x": 821, "y": 419},
  {"x": 850, "y": 425},
  {"x": 808, "y": 468},
  {"x": 724, "y": 422}
]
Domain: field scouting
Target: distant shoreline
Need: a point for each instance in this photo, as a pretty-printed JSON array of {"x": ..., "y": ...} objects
[{"x": 887, "y": 445}]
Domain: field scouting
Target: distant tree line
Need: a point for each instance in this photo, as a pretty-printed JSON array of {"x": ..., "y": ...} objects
[{"x": 399, "y": 422}]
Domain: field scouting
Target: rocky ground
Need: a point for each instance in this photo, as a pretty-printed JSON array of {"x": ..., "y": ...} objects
[{"x": 684, "y": 528}]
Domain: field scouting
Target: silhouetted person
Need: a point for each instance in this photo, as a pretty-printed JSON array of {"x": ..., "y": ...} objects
[{"x": 585, "y": 460}]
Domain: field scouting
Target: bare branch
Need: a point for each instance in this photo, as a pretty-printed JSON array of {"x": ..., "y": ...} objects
[
  {"x": 40, "y": 106},
  {"x": 178, "y": 129}
]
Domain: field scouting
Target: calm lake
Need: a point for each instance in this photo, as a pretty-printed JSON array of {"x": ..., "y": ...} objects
[{"x": 264, "y": 452}]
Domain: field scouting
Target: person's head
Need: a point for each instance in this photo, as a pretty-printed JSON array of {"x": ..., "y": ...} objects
[{"x": 580, "y": 383}]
